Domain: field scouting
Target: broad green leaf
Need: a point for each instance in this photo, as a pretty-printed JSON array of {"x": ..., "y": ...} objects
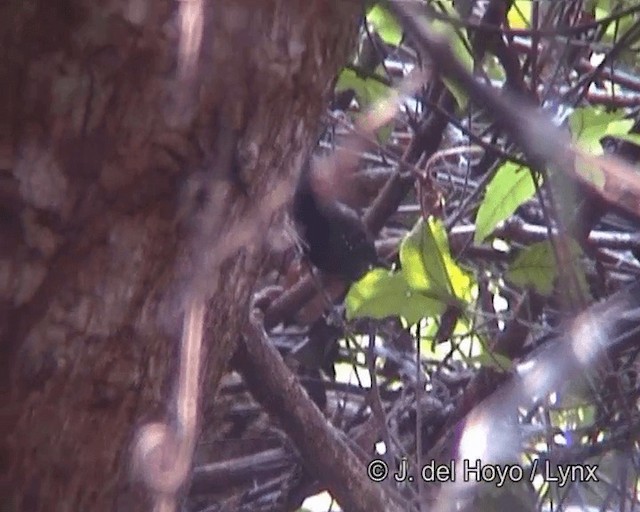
[
  {"x": 349, "y": 79},
  {"x": 494, "y": 69},
  {"x": 458, "y": 93},
  {"x": 460, "y": 46},
  {"x": 620, "y": 127},
  {"x": 390, "y": 31},
  {"x": 385, "y": 25},
  {"x": 510, "y": 187},
  {"x": 520, "y": 14},
  {"x": 381, "y": 294},
  {"x": 368, "y": 90},
  {"x": 618, "y": 27},
  {"x": 589, "y": 125},
  {"x": 418, "y": 247},
  {"x": 427, "y": 263},
  {"x": 604, "y": 6},
  {"x": 630, "y": 137},
  {"x": 383, "y": 133},
  {"x": 536, "y": 267}
]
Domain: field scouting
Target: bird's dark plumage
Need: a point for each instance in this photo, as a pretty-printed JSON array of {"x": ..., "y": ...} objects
[{"x": 335, "y": 238}]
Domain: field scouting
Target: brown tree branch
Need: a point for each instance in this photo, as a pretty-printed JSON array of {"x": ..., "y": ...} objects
[{"x": 324, "y": 449}]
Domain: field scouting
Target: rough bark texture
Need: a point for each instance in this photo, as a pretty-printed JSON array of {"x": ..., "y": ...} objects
[{"x": 100, "y": 143}]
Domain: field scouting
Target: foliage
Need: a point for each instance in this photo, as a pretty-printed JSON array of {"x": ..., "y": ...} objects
[
  {"x": 435, "y": 273},
  {"x": 476, "y": 285},
  {"x": 519, "y": 15},
  {"x": 380, "y": 294},
  {"x": 385, "y": 25},
  {"x": 536, "y": 267},
  {"x": 511, "y": 186},
  {"x": 420, "y": 288},
  {"x": 459, "y": 43}
]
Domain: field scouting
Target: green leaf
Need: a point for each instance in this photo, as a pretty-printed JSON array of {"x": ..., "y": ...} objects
[
  {"x": 380, "y": 294},
  {"x": 368, "y": 90},
  {"x": 390, "y": 32},
  {"x": 494, "y": 69},
  {"x": 630, "y": 137},
  {"x": 511, "y": 186},
  {"x": 618, "y": 27},
  {"x": 589, "y": 125},
  {"x": 385, "y": 25},
  {"x": 427, "y": 264},
  {"x": 620, "y": 127},
  {"x": 602, "y": 6},
  {"x": 384, "y": 133},
  {"x": 460, "y": 46},
  {"x": 520, "y": 14},
  {"x": 348, "y": 79},
  {"x": 536, "y": 267}
]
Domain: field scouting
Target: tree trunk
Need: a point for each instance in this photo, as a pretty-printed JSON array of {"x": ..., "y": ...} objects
[{"x": 102, "y": 149}]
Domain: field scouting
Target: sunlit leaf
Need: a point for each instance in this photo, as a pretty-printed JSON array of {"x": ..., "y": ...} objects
[
  {"x": 368, "y": 90},
  {"x": 630, "y": 137},
  {"x": 427, "y": 264},
  {"x": 589, "y": 125},
  {"x": 493, "y": 68},
  {"x": 460, "y": 46},
  {"x": 615, "y": 29},
  {"x": 381, "y": 294},
  {"x": 520, "y": 14},
  {"x": 536, "y": 267},
  {"x": 510, "y": 187},
  {"x": 385, "y": 25},
  {"x": 384, "y": 133}
]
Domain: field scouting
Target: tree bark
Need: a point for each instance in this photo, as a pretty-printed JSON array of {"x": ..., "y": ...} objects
[{"x": 100, "y": 150}]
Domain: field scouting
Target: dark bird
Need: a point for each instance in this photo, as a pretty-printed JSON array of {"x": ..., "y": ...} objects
[{"x": 334, "y": 237}]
